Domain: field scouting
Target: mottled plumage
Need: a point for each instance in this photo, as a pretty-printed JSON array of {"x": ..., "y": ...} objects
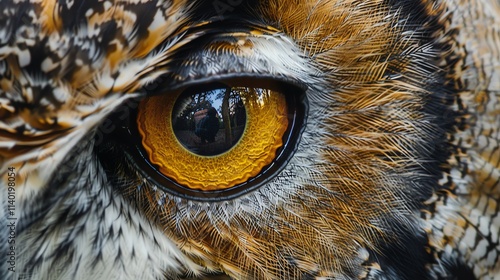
[{"x": 394, "y": 174}]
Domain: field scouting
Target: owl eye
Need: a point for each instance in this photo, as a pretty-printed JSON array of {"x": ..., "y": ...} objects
[{"x": 219, "y": 140}]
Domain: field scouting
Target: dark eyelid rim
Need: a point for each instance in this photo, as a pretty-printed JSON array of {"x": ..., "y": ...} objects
[
  {"x": 295, "y": 93},
  {"x": 282, "y": 84}
]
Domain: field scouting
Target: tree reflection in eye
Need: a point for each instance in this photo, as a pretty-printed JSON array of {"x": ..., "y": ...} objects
[{"x": 209, "y": 123}]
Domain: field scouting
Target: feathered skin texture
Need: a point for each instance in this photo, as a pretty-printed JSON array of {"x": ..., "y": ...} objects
[{"x": 397, "y": 174}]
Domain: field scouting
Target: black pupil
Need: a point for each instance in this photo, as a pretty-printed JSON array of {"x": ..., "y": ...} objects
[{"x": 209, "y": 123}]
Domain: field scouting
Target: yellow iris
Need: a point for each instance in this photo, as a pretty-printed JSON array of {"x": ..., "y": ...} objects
[{"x": 266, "y": 123}]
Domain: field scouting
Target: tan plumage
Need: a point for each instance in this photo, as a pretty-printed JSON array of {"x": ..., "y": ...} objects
[{"x": 396, "y": 174}]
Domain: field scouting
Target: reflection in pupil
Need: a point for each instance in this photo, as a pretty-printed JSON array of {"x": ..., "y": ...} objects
[{"x": 211, "y": 122}]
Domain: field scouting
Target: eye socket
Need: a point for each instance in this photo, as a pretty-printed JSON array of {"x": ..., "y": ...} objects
[{"x": 217, "y": 141}]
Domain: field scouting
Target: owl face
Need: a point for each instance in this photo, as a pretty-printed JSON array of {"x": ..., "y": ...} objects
[{"x": 251, "y": 139}]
